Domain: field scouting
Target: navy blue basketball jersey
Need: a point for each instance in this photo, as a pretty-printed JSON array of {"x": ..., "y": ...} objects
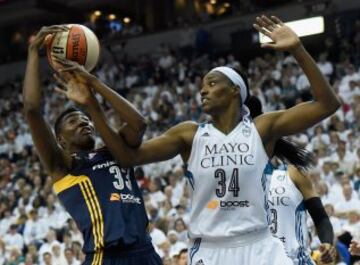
[{"x": 105, "y": 202}]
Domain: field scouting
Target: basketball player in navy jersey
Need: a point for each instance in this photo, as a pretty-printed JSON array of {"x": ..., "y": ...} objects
[
  {"x": 101, "y": 195},
  {"x": 291, "y": 196},
  {"x": 227, "y": 160}
]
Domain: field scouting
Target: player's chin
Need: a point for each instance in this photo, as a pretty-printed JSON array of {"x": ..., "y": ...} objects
[
  {"x": 206, "y": 108},
  {"x": 88, "y": 141}
]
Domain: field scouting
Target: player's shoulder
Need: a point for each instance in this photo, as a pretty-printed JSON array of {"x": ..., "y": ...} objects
[
  {"x": 266, "y": 119},
  {"x": 185, "y": 127}
]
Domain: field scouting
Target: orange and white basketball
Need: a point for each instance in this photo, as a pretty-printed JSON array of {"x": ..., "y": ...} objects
[{"x": 79, "y": 44}]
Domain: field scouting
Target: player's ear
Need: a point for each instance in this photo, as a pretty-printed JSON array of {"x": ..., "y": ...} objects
[
  {"x": 235, "y": 90},
  {"x": 61, "y": 141}
]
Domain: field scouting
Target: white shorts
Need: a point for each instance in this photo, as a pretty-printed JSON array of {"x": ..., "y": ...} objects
[{"x": 256, "y": 248}]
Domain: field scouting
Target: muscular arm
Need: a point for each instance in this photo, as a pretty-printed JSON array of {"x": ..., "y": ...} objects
[
  {"x": 302, "y": 116},
  {"x": 51, "y": 155},
  {"x": 309, "y": 113},
  {"x": 136, "y": 124},
  {"x": 173, "y": 142},
  {"x": 313, "y": 205}
]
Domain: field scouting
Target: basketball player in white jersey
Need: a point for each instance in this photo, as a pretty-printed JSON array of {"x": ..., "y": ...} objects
[
  {"x": 291, "y": 195},
  {"x": 228, "y": 159}
]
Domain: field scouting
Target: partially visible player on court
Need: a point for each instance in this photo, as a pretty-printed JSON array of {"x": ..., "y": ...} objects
[
  {"x": 228, "y": 159},
  {"x": 101, "y": 196},
  {"x": 291, "y": 195}
]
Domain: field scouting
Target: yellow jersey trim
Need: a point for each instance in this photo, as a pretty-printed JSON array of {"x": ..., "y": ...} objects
[
  {"x": 68, "y": 181},
  {"x": 93, "y": 206}
]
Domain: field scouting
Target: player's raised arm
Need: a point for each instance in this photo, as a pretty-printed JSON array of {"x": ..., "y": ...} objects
[
  {"x": 304, "y": 115},
  {"x": 164, "y": 147},
  {"x": 135, "y": 122},
  {"x": 51, "y": 155}
]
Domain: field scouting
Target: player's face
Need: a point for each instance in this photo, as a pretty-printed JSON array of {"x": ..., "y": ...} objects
[
  {"x": 77, "y": 130},
  {"x": 217, "y": 92}
]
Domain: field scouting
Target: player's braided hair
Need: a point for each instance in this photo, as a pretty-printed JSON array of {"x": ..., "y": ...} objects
[{"x": 285, "y": 149}]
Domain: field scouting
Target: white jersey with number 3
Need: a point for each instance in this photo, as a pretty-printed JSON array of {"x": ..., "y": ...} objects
[
  {"x": 288, "y": 216},
  {"x": 228, "y": 180}
]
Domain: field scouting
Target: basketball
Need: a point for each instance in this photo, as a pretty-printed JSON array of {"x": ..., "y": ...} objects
[{"x": 79, "y": 44}]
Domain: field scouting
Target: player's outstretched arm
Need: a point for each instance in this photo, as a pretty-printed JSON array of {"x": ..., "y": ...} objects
[
  {"x": 164, "y": 147},
  {"x": 302, "y": 116},
  {"x": 51, "y": 155},
  {"x": 135, "y": 122},
  {"x": 317, "y": 212}
]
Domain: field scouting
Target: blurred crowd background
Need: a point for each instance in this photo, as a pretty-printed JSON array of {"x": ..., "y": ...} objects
[{"x": 164, "y": 86}]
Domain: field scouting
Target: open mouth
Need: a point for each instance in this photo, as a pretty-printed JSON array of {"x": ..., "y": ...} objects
[
  {"x": 86, "y": 130},
  {"x": 204, "y": 100}
]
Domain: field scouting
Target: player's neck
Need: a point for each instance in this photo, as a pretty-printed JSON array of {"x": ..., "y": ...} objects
[
  {"x": 227, "y": 120},
  {"x": 76, "y": 150}
]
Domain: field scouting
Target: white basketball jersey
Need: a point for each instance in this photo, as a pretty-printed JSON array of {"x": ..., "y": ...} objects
[
  {"x": 229, "y": 189},
  {"x": 288, "y": 216}
]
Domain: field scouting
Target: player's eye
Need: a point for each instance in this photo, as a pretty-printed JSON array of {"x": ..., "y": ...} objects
[{"x": 71, "y": 121}]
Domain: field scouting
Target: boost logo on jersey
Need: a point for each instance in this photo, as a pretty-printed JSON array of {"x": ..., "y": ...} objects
[
  {"x": 227, "y": 205},
  {"x": 125, "y": 198}
]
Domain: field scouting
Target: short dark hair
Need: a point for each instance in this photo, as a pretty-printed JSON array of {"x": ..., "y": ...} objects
[
  {"x": 184, "y": 250},
  {"x": 61, "y": 117}
]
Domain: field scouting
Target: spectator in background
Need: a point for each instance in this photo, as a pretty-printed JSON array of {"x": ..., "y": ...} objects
[
  {"x": 180, "y": 228},
  {"x": 2, "y": 252},
  {"x": 57, "y": 254},
  {"x": 182, "y": 260},
  {"x": 47, "y": 257},
  {"x": 70, "y": 259},
  {"x": 13, "y": 238},
  {"x": 175, "y": 245},
  {"x": 49, "y": 243},
  {"x": 348, "y": 204},
  {"x": 35, "y": 228},
  {"x": 324, "y": 65}
]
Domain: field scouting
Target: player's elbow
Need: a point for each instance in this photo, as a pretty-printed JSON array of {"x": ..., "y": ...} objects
[
  {"x": 141, "y": 126},
  {"x": 331, "y": 106},
  {"x": 336, "y": 104}
]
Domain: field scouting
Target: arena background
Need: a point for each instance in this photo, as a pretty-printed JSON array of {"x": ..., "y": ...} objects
[{"x": 155, "y": 52}]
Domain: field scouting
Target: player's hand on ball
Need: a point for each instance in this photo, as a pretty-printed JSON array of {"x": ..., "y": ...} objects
[
  {"x": 284, "y": 38},
  {"x": 77, "y": 70},
  {"x": 40, "y": 37},
  {"x": 74, "y": 90},
  {"x": 354, "y": 248},
  {"x": 327, "y": 254}
]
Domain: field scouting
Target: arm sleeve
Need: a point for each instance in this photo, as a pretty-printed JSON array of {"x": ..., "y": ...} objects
[{"x": 321, "y": 220}]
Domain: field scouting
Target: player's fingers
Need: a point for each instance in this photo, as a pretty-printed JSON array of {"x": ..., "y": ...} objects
[
  {"x": 263, "y": 23},
  {"x": 56, "y": 28},
  {"x": 268, "y": 45},
  {"x": 60, "y": 79},
  {"x": 70, "y": 70},
  {"x": 277, "y": 20},
  {"x": 260, "y": 22},
  {"x": 68, "y": 76},
  {"x": 60, "y": 61},
  {"x": 269, "y": 23},
  {"x": 261, "y": 29},
  {"x": 60, "y": 90},
  {"x": 122, "y": 126}
]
